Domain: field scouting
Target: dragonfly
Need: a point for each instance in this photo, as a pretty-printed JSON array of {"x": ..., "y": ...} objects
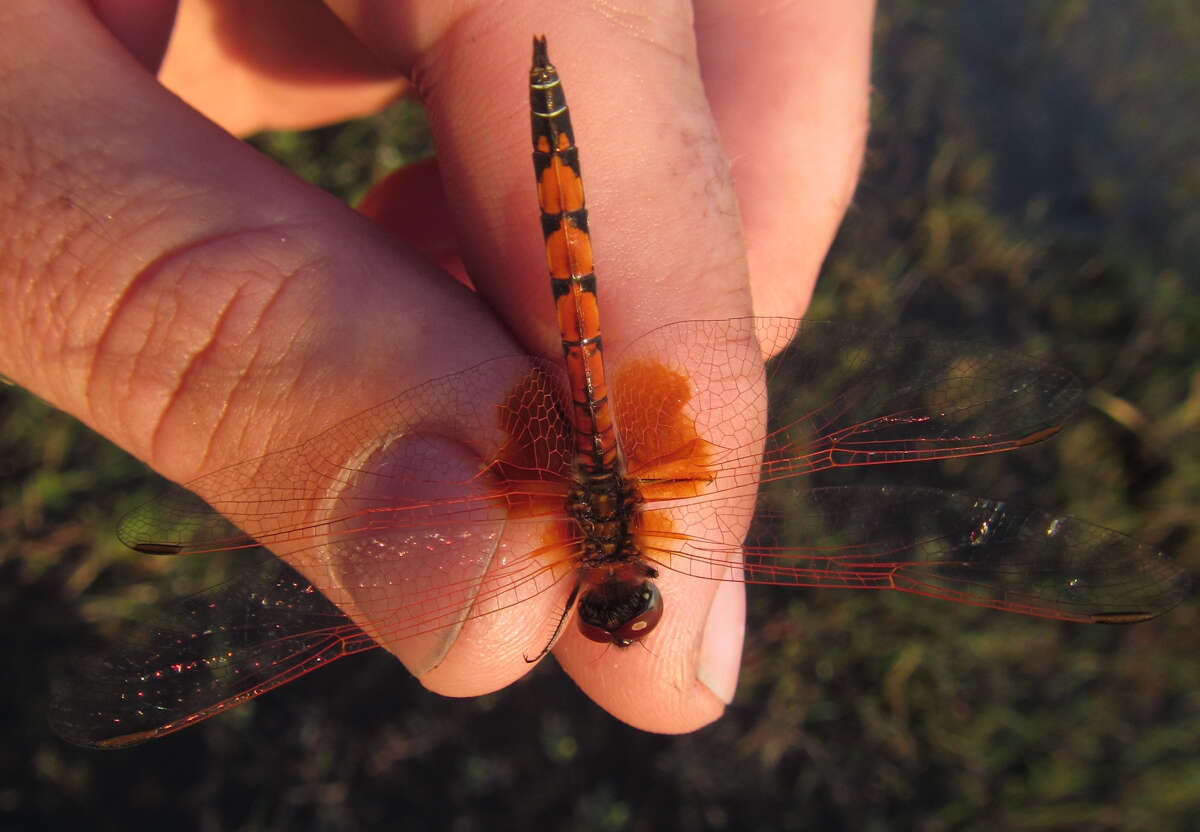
[{"x": 589, "y": 482}]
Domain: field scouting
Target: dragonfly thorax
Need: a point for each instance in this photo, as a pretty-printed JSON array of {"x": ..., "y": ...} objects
[{"x": 604, "y": 506}]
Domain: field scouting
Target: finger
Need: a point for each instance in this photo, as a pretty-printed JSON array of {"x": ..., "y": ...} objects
[
  {"x": 273, "y": 64},
  {"x": 790, "y": 91},
  {"x": 143, "y": 28},
  {"x": 666, "y": 240},
  {"x": 666, "y": 234}
]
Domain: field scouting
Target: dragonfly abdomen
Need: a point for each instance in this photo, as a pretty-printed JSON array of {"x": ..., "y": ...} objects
[{"x": 569, "y": 257}]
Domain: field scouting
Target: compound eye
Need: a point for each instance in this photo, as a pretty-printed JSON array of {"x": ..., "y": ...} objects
[
  {"x": 595, "y": 633},
  {"x": 641, "y": 624},
  {"x": 620, "y": 617}
]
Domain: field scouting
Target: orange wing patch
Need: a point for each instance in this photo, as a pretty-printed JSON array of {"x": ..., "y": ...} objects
[{"x": 664, "y": 453}]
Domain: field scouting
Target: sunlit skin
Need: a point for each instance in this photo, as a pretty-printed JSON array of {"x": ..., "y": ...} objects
[{"x": 179, "y": 316}]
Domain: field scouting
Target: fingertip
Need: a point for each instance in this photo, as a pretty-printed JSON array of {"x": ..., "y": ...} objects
[{"x": 793, "y": 202}]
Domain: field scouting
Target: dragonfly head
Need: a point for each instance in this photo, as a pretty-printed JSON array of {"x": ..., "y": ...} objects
[{"x": 619, "y": 609}]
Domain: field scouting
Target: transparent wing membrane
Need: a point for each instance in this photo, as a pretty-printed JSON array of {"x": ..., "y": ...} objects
[
  {"x": 446, "y": 504},
  {"x": 203, "y": 655},
  {"x": 943, "y": 545}
]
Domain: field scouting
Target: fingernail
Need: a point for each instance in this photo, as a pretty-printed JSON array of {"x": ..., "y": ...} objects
[{"x": 720, "y": 656}]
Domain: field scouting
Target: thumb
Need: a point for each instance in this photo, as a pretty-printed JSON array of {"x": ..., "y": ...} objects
[{"x": 184, "y": 296}]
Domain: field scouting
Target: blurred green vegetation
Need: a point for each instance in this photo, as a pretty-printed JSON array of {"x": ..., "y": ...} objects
[{"x": 1032, "y": 180}]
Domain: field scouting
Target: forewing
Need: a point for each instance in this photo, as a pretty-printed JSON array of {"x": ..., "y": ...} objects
[{"x": 840, "y": 397}]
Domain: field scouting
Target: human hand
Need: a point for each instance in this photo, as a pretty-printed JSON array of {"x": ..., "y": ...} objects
[{"x": 198, "y": 306}]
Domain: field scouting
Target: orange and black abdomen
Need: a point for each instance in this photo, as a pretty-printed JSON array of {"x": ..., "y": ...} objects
[{"x": 569, "y": 254}]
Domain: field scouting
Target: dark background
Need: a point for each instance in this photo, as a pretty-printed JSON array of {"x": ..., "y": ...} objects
[{"x": 1032, "y": 180}]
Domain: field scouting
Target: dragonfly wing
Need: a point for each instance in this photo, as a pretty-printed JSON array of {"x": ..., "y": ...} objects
[
  {"x": 202, "y": 655},
  {"x": 839, "y": 397},
  {"x": 944, "y": 545}
]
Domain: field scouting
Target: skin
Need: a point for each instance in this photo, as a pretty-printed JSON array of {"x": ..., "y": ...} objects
[{"x": 198, "y": 306}]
